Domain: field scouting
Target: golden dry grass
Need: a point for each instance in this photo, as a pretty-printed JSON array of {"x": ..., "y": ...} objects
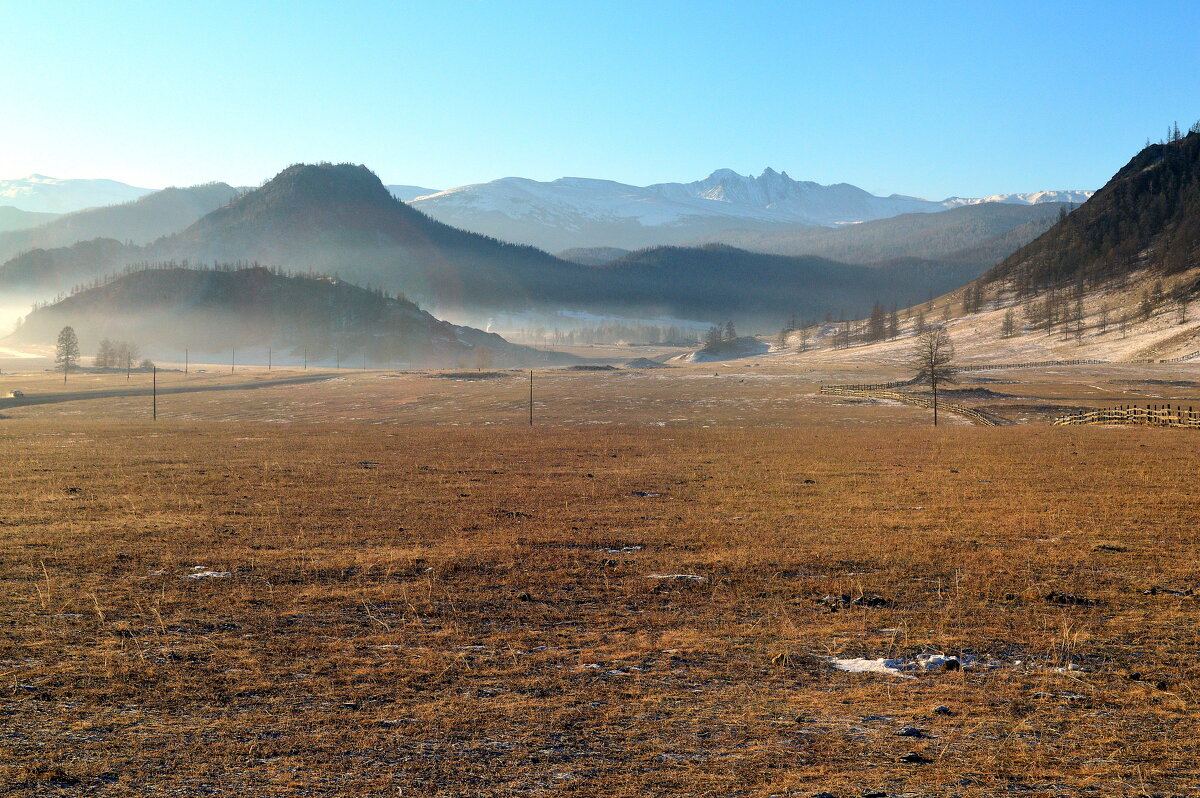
[{"x": 463, "y": 610}]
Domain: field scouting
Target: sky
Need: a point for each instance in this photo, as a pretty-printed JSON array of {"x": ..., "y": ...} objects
[{"x": 925, "y": 98}]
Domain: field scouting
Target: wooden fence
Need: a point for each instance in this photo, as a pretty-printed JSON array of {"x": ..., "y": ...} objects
[
  {"x": 910, "y": 399},
  {"x": 1182, "y": 358},
  {"x": 1027, "y": 365},
  {"x": 874, "y": 386},
  {"x": 1152, "y": 416}
]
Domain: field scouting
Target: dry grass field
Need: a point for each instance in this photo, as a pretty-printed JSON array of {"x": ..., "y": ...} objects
[{"x": 389, "y": 584}]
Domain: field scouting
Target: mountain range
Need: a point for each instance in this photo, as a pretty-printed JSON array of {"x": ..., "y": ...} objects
[
  {"x": 340, "y": 219},
  {"x": 575, "y": 212},
  {"x": 980, "y": 234}
]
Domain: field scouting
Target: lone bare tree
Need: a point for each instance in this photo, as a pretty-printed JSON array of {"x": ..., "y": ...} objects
[
  {"x": 66, "y": 354},
  {"x": 932, "y": 358}
]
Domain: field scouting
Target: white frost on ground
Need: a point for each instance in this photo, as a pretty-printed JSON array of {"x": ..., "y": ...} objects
[{"x": 678, "y": 577}]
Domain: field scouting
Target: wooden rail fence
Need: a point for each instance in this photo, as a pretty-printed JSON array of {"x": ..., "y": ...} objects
[
  {"x": 1152, "y": 416},
  {"x": 874, "y": 386},
  {"x": 916, "y": 400},
  {"x": 1182, "y": 358},
  {"x": 1027, "y": 365}
]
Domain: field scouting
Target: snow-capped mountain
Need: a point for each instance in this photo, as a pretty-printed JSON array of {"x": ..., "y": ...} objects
[
  {"x": 52, "y": 195},
  {"x": 576, "y": 212},
  {"x": 1029, "y": 198}
]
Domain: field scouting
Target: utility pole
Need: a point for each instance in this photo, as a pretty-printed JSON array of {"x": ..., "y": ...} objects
[
  {"x": 232, "y": 361},
  {"x": 154, "y": 391},
  {"x": 531, "y": 397},
  {"x": 268, "y": 358},
  {"x": 185, "y": 361},
  {"x": 337, "y": 354},
  {"x": 306, "y": 358},
  {"x": 128, "y": 366}
]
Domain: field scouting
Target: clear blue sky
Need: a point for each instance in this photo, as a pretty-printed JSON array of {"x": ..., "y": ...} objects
[{"x": 927, "y": 98}]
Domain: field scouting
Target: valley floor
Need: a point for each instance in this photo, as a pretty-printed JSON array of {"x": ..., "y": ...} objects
[{"x": 388, "y": 582}]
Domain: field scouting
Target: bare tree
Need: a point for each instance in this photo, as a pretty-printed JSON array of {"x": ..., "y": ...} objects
[
  {"x": 66, "y": 354},
  {"x": 932, "y": 358}
]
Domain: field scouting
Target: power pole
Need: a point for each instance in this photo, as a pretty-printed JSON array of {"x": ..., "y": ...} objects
[
  {"x": 232, "y": 361},
  {"x": 531, "y": 397},
  {"x": 154, "y": 391},
  {"x": 185, "y": 361},
  {"x": 306, "y": 358},
  {"x": 268, "y": 358},
  {"x": 128, "y": 366}
]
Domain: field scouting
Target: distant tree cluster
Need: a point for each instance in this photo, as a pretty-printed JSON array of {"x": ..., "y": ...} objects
[
  {"x": 718, "y": 334},
  {"x": 116, "y": 354},
  {"x": 609, "y": 333},
  {"x": 974, "y": 298},
  {"x": 882, "y": 325}
]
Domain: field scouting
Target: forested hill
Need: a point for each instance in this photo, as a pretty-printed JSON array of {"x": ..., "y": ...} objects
[
  {"x": 1148, "y": 214},
  {"x": 718, "y": 281},
  {"x": 171, "y": 308},
  {"x": 340, "y": 218}
]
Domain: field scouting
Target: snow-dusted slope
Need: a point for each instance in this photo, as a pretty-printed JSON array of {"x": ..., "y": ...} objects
[
  {"x": 52, "y": 195},
  {"x": 410, "y": 193},
  {"x": 584, "y": 212}
]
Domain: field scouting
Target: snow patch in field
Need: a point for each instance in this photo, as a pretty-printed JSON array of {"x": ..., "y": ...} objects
[
  {"x": 678, "y": 577},
  {"x": 904, "y": 668},
  {"x": 203, "y": 572}
]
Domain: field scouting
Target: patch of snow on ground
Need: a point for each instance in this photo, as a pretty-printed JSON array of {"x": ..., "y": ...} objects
[
  {"x": 203, "y": 572},
  {"x": 904, "y": 668}
]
